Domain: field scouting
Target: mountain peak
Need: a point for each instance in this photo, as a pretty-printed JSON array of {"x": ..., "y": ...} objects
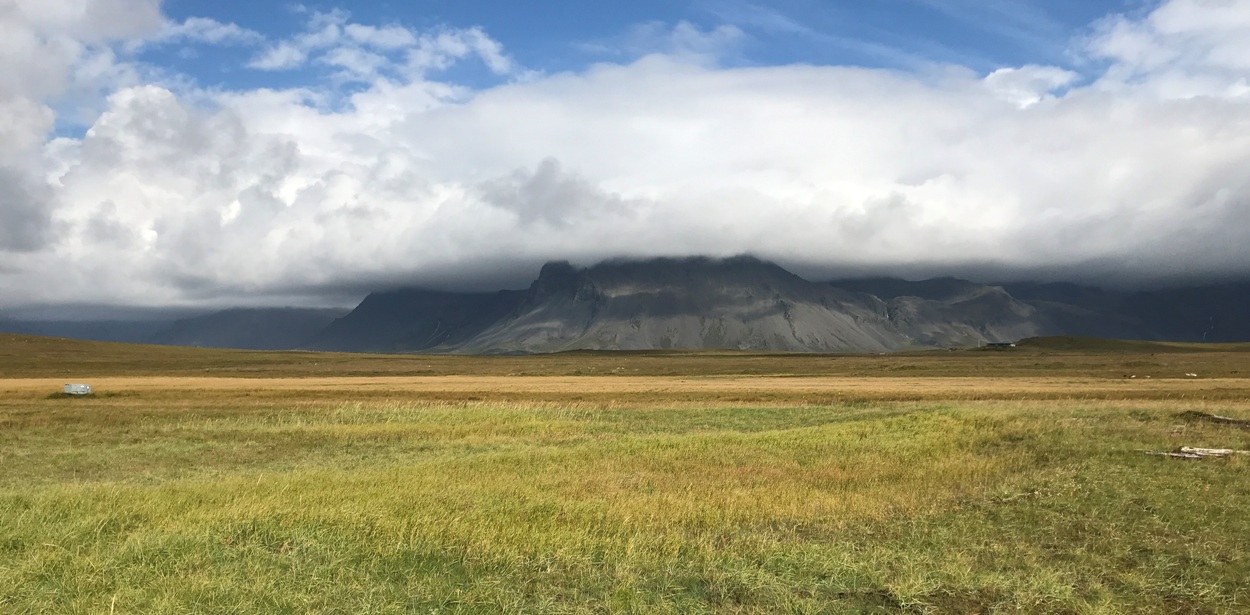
[
  {"x": 740, "y": 302},
  {"x": 555, "y": 277}
]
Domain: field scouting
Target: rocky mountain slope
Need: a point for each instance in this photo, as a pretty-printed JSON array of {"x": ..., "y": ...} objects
[{"x": 699, "y": 303}]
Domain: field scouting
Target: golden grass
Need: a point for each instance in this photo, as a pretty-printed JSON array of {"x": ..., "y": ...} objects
[
  {"x": 706, "y": 488},
  {"x": 636, "y": 390}
]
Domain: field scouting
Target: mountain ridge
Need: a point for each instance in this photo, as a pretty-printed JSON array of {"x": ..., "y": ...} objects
[{"x": 741, "y": 303}]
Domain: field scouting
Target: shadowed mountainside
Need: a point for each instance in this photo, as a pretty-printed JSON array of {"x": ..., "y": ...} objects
[
  {"x": 253, "y": 328},
  {"x": 738, "y": 303},
  {"x": 1211, "y": 313},
  {"x": 248, "y": 328},
  {"x": 415, "y": 319},
  {"x": 132, "y": 331}
]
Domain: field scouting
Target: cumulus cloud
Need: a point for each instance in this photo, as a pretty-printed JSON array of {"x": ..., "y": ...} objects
[
  {"x": 42, "y": 41},
  {"x": 86, "y": 21},
  {"x": 413, "y": 178},
  {"x": 364, "y": 51},
  {"x": 548, "y": 194},
  {"x": 25, "y": 217},
  {"x": 48, "y": 50},
  {"x": 1029, "y": 85},
  {"x": 1183, "y": 48}
]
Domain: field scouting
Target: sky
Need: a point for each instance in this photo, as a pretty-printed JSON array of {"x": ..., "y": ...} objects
[{"x": 197, "y": 153}]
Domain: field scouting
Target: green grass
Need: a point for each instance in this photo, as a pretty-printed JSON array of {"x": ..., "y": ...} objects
[{"x": 256, "y": 505}]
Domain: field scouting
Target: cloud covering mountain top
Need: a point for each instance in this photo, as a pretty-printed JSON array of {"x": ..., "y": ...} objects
[{"x": 395, "y": 161}]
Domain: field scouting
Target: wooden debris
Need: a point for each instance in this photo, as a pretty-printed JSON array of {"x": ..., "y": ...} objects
[
  {"x": 1194, "y": 415},
  {"x": 1189, "y": 452},
  {"x": 1173, "y": 455}
]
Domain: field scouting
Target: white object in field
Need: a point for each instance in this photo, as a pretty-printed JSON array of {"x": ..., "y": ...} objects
[{"x": 78, "y": 389}]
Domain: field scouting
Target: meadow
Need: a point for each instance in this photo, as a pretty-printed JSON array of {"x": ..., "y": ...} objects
[{"x": 980, "y": 481}]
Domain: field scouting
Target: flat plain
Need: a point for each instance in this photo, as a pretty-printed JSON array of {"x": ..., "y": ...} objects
[{"x": 970, "y": 481}]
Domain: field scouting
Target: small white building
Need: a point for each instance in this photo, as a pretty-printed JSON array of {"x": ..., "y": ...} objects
[{"x": 77, "y": 389}]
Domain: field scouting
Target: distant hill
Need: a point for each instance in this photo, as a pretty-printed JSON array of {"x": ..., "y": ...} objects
[
  {"x": 93, "y": 330},
  {"x": 251, "y": 328},
  {"x": 246, "y": 328},
  {"x": 738, "y": 303},
  {"x": 414, "y": 319},
  {"x": 1211, "y": 313}
]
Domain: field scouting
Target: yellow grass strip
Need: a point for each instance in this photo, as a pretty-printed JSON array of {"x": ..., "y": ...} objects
[{"x": 674, "y": 388}]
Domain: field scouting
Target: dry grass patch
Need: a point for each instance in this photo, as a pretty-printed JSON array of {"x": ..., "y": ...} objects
[{"x": 402, "y": 506}]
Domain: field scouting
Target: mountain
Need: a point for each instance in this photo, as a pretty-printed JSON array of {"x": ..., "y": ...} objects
[
  {"x": 745, "y": 303},
  {"x": 944, "y": 312},
  {"x": 95, "y": 330},
  {"x": 936, "y": 289},
  {"x": 694, "y": 303},
  {"x": 415, "y": 319},
  {"x": 1211, "y": 313},
  {"x": 701, "y": 303},
  {"x": 251, "y": 328},
  {"x": 741, "y": 303}
]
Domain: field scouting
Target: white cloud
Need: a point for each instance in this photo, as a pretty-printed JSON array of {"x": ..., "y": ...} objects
[
  {"x": 366, "y": 52},
  {"x": 323, "y": 30},
  {"x": 387, "y": 37},
  {"x": 23, "y": 132},
  {"x": 550, "y": 195},
  {"x": 440, "y": 50},
  {"x": 88, "y": 22},
  {"x": 358, "y": 63},
  {"x": 51, "y": 52},
  {"x": 209, "y": 31},
  {"x": 1182, "y": 49},
  {"x": 168, "y": 199},
  {"x": 1029, "y": 85},
  {"x": 41, "y": 41},
  {"x": 279, "y": 57}
]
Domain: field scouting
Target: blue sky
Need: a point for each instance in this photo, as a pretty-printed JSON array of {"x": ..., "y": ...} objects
[
  {"x": 180, "y": 152},
  {"x": 566, "y": 35}
]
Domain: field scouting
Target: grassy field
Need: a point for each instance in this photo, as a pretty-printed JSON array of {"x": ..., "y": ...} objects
[
  {"x": 199, "y": 481},
  {"x": 41, "y": 357}
]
